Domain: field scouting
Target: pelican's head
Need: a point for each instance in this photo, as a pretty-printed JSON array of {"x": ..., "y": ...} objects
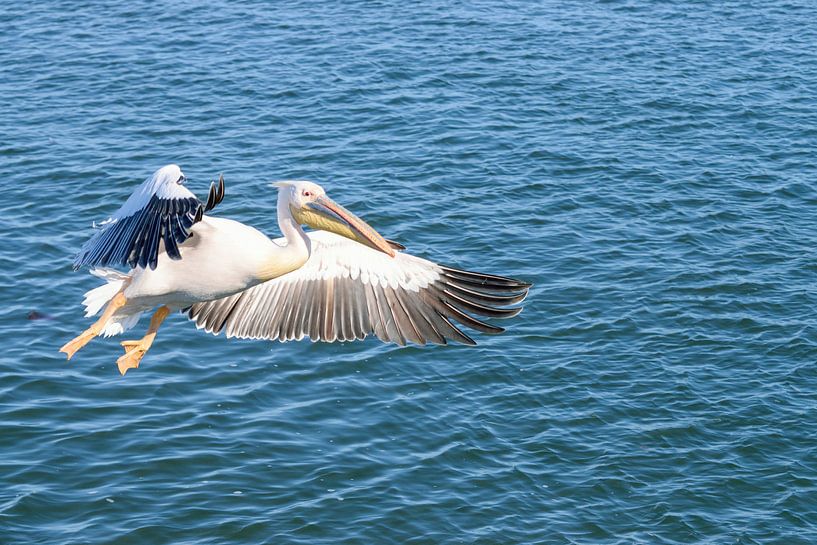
[{"x": 310, "y": 206}]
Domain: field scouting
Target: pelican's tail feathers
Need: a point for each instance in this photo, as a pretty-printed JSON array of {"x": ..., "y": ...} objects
[{"x": 96, "y": 299}]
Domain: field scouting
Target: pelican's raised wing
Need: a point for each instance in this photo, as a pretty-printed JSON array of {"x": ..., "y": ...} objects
[
  {"x": 160, "y": 212},
  {"x": 346, "y": 291}
]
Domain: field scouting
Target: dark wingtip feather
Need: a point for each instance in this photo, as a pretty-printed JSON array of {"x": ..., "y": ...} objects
[
  {"x": 470, "y": 321},
  {"x": 216, "y": 194},
  {"x": 395, "y": 245},
  {"x": 461, "y": 336},
  {"x": 484, "y": 283},
  {"x": 486, "y": 279},
  {"x": 485, "y": 298},
  {"x": 477, "y": 308},
  {"x": 211, "y": 197}
]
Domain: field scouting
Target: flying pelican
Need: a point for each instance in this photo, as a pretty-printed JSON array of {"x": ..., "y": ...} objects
[{"x": 340, "y": 283}]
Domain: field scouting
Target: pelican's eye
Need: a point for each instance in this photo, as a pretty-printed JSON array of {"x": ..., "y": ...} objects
[
  {"x": 181, "y": 179},
  {"x": 307, "y": 193}
]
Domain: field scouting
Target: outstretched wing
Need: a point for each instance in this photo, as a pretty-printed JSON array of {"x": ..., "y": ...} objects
[
  {"x": 161, "y": 210},
  {"x": 346, "y": 291}
]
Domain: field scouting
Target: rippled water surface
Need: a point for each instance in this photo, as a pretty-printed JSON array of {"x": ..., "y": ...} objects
[{"x": 650, "y": 167}]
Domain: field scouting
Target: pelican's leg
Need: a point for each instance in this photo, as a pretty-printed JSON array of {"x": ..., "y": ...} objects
[
  {"x": 71, "y": 347},
  {"x": 135, "y": 350}
]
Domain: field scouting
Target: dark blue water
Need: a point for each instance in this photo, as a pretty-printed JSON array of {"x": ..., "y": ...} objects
[{"x": 650, "y": 167}]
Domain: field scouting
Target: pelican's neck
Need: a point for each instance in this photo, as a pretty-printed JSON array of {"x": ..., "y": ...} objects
[
  {"x": 291, "y": 229},
  {"x": 294, "y": 253}
]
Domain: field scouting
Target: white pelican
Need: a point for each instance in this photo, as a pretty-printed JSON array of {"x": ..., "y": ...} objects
[{"x": 338, "y": 284}]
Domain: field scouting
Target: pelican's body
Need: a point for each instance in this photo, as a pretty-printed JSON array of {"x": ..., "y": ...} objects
[
  {"x": 341, "y": 283},
  {"x": 219, "y": 265}
]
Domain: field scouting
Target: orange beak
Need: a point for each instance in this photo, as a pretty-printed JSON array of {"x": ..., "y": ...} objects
[{"x": 326, "y": 214}]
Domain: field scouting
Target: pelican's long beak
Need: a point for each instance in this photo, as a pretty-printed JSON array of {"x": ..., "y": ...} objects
[{"x": 326, "y": 214}]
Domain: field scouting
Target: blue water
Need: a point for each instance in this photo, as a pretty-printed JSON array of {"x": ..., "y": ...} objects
[{"x": 649, "y": 166}]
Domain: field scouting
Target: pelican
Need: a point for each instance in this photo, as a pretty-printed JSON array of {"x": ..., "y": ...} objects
[{"x": 341, "y": 282}]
